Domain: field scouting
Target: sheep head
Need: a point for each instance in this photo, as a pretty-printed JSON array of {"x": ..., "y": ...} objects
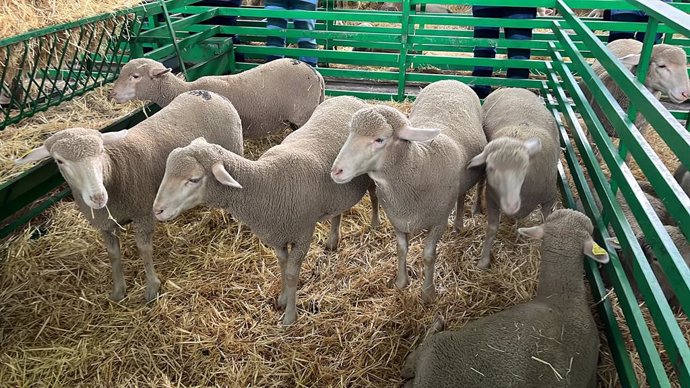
[
  {"x": 566, "y": 224},
  {"x": 667, "y": 71},
  {"x": 138, "y": 80},
  {"x": 78, "y": 153},
  {"x": 373, "y": 132},
  {"x": 186, "y": 178},
  {"x": 507, "y": 161}
]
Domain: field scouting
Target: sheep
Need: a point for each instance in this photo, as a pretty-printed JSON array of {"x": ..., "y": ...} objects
[
  {"x": 284, "y": 91},
  {"x": 417, "y": 165},
  {"x": 281, "y": 196},
  {"x": 682, "y": 176},
  {"x": 520, "y": 159},
  {"x": 667, "y": 74},
  {"x": 114, "y": 176},
  {"x": 551, "y": 341}
]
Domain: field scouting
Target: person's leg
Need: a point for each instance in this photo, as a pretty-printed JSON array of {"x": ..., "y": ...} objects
[
  {"x": 519, "y": 34},
  {"x": 275, "y": 24},
  {"x": 483, "y": 11},
  {"x": 622, "y": 15},
  {"x": 644, "y": 18},
  {"x": 305, "y": 24}
]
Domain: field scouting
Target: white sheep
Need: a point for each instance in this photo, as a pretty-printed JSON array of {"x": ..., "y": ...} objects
[
  {"x": 281, "y": 196},
  {"x": 667, "y": 73},
  {"x": 267, "y": 97},
  {"x": 417, "y": 165},
  {"x": 551, "y": 341},
  {"x": 520, "y": 159},
  {"x": 118, "y": 173},
  {"x": 682, "y": 176}
]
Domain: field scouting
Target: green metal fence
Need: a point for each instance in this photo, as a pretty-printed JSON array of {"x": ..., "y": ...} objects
[{"x": 415, "y": 48}]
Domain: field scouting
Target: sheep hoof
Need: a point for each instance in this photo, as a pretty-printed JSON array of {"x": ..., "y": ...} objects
[
  {"x": 281, "y": 302},
  {"x": 402, "y": 282},
  {"x": 429, "y": 295},
  {"x": 117, "y": 295},
  {"x": 332, "y": 244},
  {"x": 484, "y": 263},
  {"x": 152, "y": 291},
  {"x": 289, "y": 319}
]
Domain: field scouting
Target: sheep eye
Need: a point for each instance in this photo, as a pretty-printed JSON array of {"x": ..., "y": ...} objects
[
  {"x": 58, "y": 161},
  {"x": 194, "y": 180},
  {"x": 136, "y": 76},
  {"x": 379, "y": 140},
  {"x": 662, "y": 66}
]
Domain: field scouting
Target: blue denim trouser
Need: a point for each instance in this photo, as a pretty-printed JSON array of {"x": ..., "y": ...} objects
[
  {"x": 493, "y": 33},
  {"x": 300, "y": 24},
  {"x": 224, "y": 20},
  {"x": 628, "y": 15}
]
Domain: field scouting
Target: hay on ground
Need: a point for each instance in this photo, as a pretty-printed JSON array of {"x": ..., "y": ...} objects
[{"x": 18, "y": 16}]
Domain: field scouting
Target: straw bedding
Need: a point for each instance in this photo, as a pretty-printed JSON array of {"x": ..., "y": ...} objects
[{"x": 20, "y": 16}]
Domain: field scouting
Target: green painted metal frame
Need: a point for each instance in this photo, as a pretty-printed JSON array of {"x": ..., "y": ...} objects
[{"x": 561, "y": 58}]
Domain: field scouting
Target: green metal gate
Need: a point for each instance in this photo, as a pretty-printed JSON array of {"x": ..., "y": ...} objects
[{"x": 420, "y": 48}]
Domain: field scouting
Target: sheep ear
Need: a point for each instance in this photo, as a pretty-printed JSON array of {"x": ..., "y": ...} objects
[
  {"x": 535, "y": 232},
  {"x": 223, "y": 176},
  {"x": 477, "y": 161},
  {"x": 613, "y": 242},
  {"x": 112, "y": 137},
  {"x": 533, "y": 145},
  {"x": 155, "y": 73},
  {"x": 199, "y": 140},
  {"x": 630, "y": 60},
  {"x": 595, "y": 252},
  {"x": 417, "y": 134},
  {"x": 35, "y": 155}
]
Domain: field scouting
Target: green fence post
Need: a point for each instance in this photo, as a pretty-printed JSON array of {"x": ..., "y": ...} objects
[
  {"x": 402, "y": 59},
  {"x": 174, "y": 39}
]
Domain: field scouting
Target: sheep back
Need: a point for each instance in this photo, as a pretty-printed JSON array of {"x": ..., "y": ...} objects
[
  {"x": 509, "y": 349},
  {"x": 271, "y": 95},
  {"x": 520, "y": 114},
  {"x": 291, "y": 182}
]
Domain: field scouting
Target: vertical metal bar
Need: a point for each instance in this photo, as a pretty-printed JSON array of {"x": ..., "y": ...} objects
[
  {"x": 174, "y": 39},
  {"x": 402, "y": 58},
  {"x": 2, "y": 85},
  {"x": 642, "y": 68},
  {"x": 330, "y": 26},
  {"x": 74, "y": 86},
  {"x": 59, "y": 67}
]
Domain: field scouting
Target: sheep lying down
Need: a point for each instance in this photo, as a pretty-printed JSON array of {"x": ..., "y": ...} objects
[{"x": 551, "y": 341}]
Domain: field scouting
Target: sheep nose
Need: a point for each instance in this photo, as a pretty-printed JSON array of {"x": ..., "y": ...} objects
[
  {"x": 336, "y": 171},
  {"x": 158, "y": 211},
  {"x": 685, "y": 94},
  {"x": 97, "y": 198}
]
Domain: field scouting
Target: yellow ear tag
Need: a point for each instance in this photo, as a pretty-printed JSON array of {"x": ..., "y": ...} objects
[{"x": 597, "y": 250}]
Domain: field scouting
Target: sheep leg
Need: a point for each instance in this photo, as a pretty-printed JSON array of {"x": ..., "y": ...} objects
[
  {"x": 477, "y": 207},
  {"x": 402, "y": 280},
  {"x": 429, "y": 257},
  {"x": 493, "y": 218},
  {"x": 112, "y": 245},
  {"x": 334, "y": 235},
  {"x": 459, "y": 213},
  {"x": 292, "y": 270},
  {"x": 143, "y": 238},
  {"x": 375, "y": 219},
  {"x": 547, "y": 208},
  {"x": 282, "y": 254}
]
